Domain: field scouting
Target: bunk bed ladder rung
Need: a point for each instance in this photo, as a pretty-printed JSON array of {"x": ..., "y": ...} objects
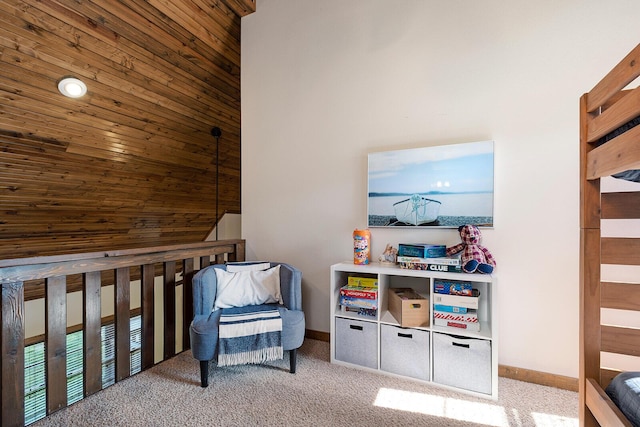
[
  {"x": 625, "y": 205},
  {"x": 620, "y": 340},
  {"x": 620, "y": 296},
  {"x": 620, "y": 250}
]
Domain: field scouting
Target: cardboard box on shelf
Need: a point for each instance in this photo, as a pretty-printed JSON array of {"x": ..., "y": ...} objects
[{"x": 408, "y": 307}]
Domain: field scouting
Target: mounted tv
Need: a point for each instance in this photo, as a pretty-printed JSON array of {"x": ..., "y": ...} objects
[{"x": 439, "y": 186}]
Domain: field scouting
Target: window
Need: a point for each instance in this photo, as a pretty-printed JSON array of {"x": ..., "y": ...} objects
[
  {"x": 75, "y": 367},
  {"x": 35, "y": 403},
  {"x": 35, "y": 399},
  {"x": 109, "y": 350}
]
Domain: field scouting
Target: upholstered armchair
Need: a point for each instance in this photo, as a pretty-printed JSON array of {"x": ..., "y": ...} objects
[{"x": 219, "y": 289}]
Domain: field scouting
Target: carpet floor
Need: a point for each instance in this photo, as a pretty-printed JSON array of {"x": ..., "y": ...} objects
[{"x": 319, "y": 394}]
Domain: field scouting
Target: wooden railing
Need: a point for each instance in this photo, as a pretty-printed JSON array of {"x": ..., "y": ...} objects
[{"x": 54, "y": 270}]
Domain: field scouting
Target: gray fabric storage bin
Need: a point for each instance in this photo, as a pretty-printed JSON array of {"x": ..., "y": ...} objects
[
  {"x": 462, "y": 362},
  {"x": 404, "y": 351},
  {"x": 357, "y": 342}
]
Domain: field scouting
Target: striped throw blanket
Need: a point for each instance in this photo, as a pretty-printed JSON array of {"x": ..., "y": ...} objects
[{"x": 251, "y": 334}]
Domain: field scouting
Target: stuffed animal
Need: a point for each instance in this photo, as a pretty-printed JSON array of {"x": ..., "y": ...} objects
[
  {"x": 475, "y": 257},
  {"x": 389, "y": 255}
]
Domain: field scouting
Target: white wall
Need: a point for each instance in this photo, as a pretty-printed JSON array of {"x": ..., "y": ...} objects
[
  {"x": 229, "y": 228},
  {"x": 326, "y": 82}
]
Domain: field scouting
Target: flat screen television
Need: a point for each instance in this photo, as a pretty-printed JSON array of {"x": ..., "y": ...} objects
[{"x": 437, "y": 186}]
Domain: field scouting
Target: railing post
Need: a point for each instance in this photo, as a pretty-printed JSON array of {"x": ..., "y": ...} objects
[
  {"x": 91, "y": 284},
  {"x": 122, "y": 323},
  {"x": 239, "y": 253},
  {"x": 205, "y": 261},
  {"x": 169, "y": 309},
  {"x": 148, "y": 308},
  {"x": 187, "y": 301},
  {"x": 12, "y": 336},
  {"x": 56, "y": 342}
]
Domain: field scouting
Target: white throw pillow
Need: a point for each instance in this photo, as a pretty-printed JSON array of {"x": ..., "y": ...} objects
[
  {"x": 247, "y": 288},
  {"x": 243, "y": 266}
]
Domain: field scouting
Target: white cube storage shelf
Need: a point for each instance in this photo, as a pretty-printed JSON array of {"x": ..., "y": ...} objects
[{"x": 445, "y": 356}]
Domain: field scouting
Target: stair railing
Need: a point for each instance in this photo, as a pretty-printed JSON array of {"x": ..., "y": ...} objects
[{"x": 54, "y": 270}]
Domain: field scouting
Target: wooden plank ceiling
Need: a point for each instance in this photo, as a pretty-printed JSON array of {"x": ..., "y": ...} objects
[{"x": 132, "y": 163}]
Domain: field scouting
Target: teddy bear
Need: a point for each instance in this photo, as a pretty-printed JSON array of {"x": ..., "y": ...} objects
[{"x": 475, "y": 257}]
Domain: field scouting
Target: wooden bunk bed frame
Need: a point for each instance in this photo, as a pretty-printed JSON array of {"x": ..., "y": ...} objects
[{"x": 604, "y": 109}]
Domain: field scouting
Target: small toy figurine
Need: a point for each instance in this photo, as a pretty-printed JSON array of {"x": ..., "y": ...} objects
[
  {"x": 389, "y": 255},
  {"x": 475, "y": 257}
]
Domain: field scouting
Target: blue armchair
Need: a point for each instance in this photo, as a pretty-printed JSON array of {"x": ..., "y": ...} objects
[{"x": 204, "y": 327}]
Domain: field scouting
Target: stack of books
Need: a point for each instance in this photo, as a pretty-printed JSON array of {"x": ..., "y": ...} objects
[
  {"x": 421, "y": 250},
  {"x": 360, "y": 296},
  {"x": 455, "y": 305},
  {"x": 427, "y": 257}
]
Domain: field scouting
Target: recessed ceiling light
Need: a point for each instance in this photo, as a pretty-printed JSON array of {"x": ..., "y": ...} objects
[{"x": 72, "y": 87}]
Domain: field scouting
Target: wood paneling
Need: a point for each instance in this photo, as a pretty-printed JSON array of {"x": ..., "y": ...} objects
[{"x": 132, "y": 163}]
